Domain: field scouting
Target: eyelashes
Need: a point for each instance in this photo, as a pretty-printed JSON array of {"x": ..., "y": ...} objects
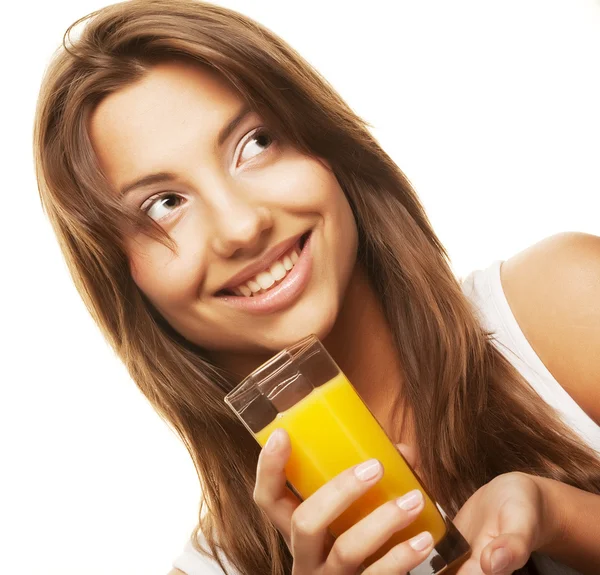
[
  {"x": 259, "y": 137},
  {"x": 159, "y": 206}
]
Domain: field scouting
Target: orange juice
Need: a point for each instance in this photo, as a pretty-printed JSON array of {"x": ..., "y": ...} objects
[{"x": 331, "y": 429}]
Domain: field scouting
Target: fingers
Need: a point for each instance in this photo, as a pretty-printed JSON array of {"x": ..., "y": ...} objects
[
  {"x": 270, "y": 491},
  {"x": 305, "y": 526},
  {"x": 404, "y": 557},
  {"x": 505, "y": 554},
  {"x": 311, "y": 520},
  {"x": 368, "y": 535}
]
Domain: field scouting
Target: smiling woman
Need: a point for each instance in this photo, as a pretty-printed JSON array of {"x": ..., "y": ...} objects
[
  {"x": 217, "y": 201},
  {"x": 228, "y": 191}
]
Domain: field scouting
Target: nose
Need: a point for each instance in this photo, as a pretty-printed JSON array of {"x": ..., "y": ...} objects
[{"x": 240, "y": 226}]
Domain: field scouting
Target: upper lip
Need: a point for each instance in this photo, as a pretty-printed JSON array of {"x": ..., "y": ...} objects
[{"x": 261, "y": 264}]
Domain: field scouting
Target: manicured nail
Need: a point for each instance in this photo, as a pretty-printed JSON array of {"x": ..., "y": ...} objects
[
  {"x": 500, "y": 560},
  {"x": 368, "y": 470},
  {"x": 274, "y": 441},
  {"x": 421, "y": 541},
  {"x": 410, "y": 500}
]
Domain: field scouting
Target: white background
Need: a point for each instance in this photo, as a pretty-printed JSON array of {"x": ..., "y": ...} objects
[{"x": 492, "y": 109}]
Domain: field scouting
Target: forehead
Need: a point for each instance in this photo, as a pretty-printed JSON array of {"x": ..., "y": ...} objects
[{"x": 146, "y": 124}]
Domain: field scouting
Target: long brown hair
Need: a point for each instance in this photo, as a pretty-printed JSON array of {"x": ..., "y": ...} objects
[{"x": 475, "y": 416}]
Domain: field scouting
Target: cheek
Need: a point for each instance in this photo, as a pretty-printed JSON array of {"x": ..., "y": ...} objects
[
  {"x": 311, "y": 186},
  {"x": 300, "y": 183},
  {"x": 169, "y": 279}
]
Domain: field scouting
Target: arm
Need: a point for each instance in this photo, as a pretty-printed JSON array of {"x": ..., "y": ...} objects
[{"x": 575, "y": 526}]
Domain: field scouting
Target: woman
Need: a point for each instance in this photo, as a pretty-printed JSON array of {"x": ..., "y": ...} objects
[{"x": 187, "y": 158}]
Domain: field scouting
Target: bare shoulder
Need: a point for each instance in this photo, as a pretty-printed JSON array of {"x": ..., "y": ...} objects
[
  {"x": 175, "y": 572},
  {"x": 553, "y": 289}
]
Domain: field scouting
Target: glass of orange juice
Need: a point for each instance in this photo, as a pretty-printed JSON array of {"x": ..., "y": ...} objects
[{"x": 303, "y": 391}]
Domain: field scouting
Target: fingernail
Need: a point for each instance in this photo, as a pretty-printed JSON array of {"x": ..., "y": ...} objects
[
  {"x": 500, "y": 560},
  {"x": 274, "y": 441},
  {"x": 410, "y": 500},
  {"x": 368, "y": 470},
  {"x": 421, "y": 541}
]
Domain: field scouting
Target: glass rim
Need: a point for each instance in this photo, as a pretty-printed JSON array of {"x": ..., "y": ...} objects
[{"x": 248, "y": 388}]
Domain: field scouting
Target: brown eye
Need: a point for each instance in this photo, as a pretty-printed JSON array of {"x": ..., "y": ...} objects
[
  {"x": 160, "y": 207},
  {"x": 256, "y": 144}
]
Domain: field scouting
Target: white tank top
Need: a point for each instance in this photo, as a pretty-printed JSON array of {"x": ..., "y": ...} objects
[{"x": 484, "y": 289}]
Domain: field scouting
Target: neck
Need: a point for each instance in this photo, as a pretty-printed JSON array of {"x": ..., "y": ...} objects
[{"x": 361, "y": 343}]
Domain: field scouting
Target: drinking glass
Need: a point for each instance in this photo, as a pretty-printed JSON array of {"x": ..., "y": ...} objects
[{"x": 302, "y": 390}]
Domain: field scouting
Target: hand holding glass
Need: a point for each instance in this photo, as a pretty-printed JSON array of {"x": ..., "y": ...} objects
[{"x": 303, "y": 391}]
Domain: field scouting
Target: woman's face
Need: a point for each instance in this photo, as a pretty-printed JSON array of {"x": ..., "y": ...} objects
[{"x": 265, "y": 238}]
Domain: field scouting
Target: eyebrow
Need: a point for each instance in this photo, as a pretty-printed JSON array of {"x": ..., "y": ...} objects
[{"x": 162, "y": 177}]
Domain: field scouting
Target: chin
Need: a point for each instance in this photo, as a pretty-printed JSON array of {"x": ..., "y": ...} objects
[{"x": 312, "y": 320}]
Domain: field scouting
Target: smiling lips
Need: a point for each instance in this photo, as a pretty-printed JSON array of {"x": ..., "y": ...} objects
[
  {"x": 272, "y": 274},
  {"x": 264, "y": 280},
  {"x": 279, "y": 294}
]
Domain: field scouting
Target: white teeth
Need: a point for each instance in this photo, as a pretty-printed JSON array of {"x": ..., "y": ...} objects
[
  {"x": 277, "y": 271},
  {"x": 253, "y": 286},
  {"x": 265, "y": 280}
]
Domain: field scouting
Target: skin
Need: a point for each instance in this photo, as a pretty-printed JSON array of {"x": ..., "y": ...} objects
[
  {"x": 237, "y": 200},
  {"x": 230, "y": 204},
  {"x": 553, "y": 288}
]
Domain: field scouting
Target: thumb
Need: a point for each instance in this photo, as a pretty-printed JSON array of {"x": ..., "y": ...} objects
[
  {"x": 408, "y": 452},
  {"x": 505, "y": 554}
]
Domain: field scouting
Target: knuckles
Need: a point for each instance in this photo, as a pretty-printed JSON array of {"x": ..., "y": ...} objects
[
  {"x": 304, "y": 524},
  {"x": 343, "y": 554}
]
